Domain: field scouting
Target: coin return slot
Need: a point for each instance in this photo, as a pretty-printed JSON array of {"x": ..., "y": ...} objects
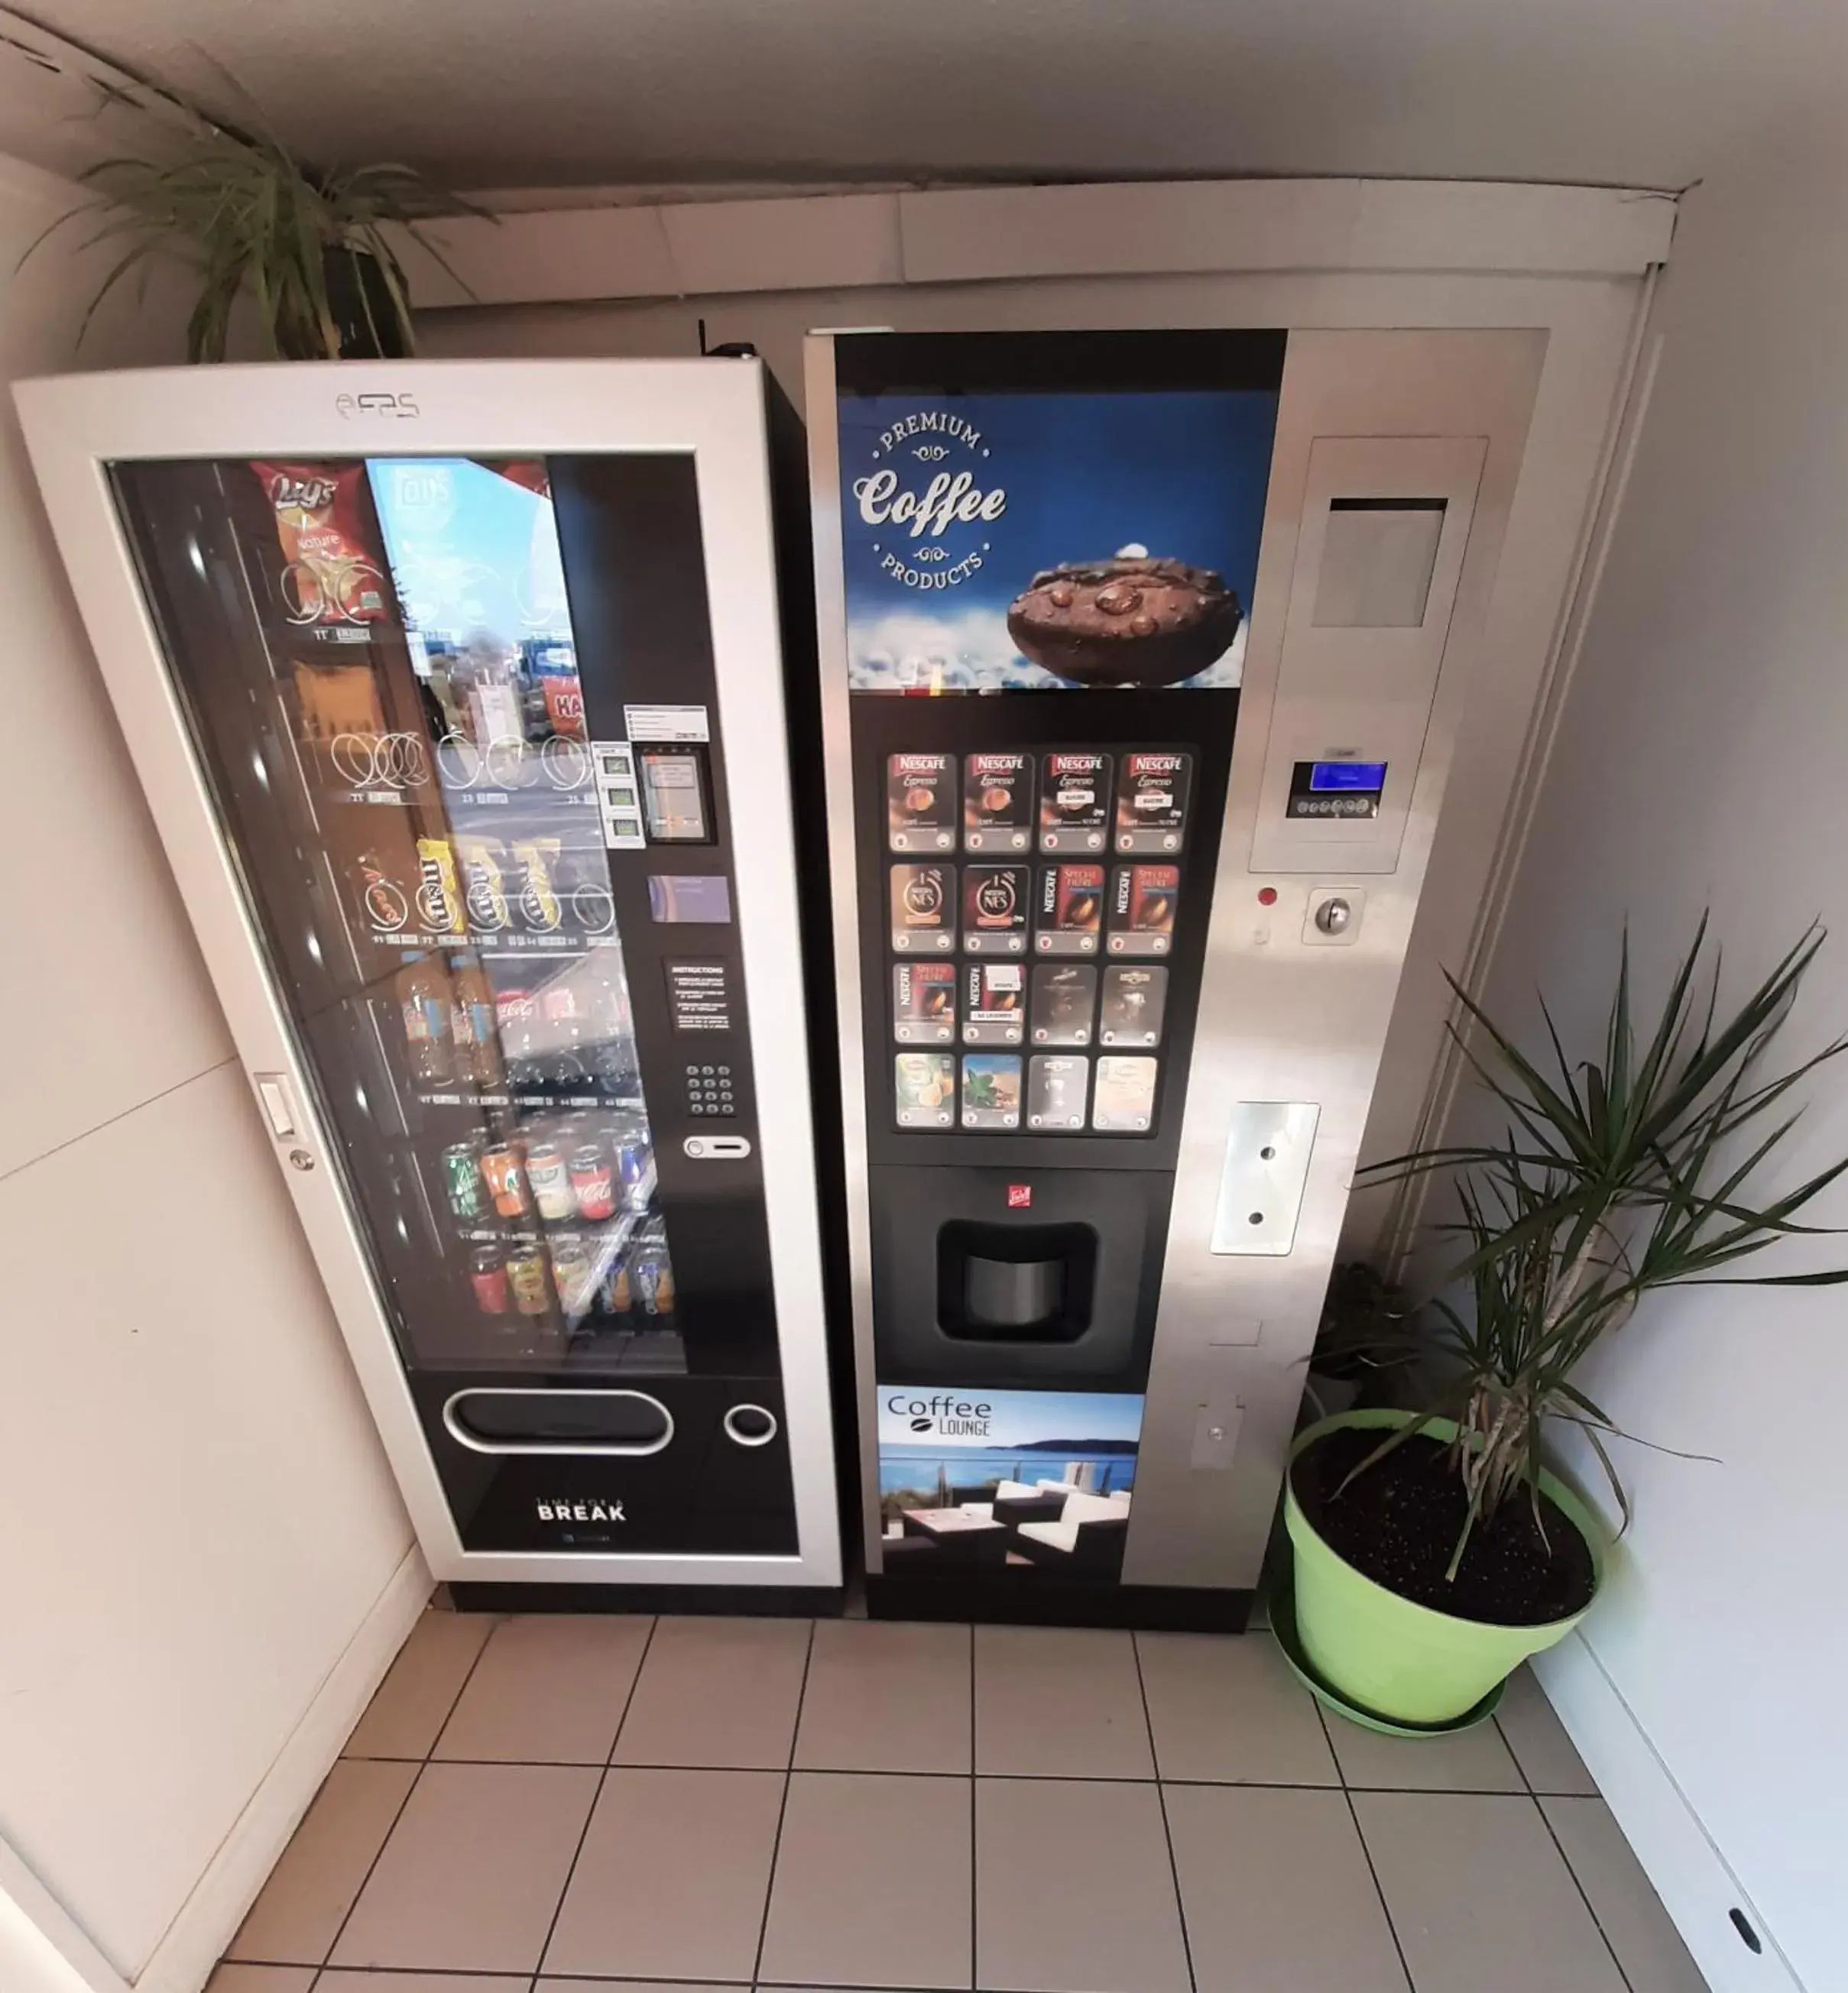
[
  {"x": 1015, "y": 1283},
  {"x": 592, "y": 1422},
  {"x": 750, "y": 1425},
  {"x": 1377, "y": 557}
]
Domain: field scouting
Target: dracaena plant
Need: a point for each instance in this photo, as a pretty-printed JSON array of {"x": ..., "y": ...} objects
[
  {"x": 254, "y": 220},
  {"x": 1650, "y": 1165}
]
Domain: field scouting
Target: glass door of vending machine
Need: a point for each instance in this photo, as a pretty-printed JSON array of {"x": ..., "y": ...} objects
[{"x": 484, "y": 753}]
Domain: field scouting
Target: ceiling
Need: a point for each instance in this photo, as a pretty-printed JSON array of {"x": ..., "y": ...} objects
[{"x": 1640, "y": 93}]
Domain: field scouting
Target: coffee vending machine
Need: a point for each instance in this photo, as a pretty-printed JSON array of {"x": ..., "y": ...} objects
[{"x": 1143, "y": 655}]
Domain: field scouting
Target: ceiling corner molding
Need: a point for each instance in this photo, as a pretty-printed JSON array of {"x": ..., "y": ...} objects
[{"x": 844, "y": 241}]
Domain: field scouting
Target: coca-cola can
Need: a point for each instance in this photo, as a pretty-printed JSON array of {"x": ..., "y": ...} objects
[{"x": 592, "y": 1183}]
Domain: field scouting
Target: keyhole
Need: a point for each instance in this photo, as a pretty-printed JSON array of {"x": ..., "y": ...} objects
[
  {"x": 1267, "y": 1155},
  {"x": 1257, "y": 1218}
]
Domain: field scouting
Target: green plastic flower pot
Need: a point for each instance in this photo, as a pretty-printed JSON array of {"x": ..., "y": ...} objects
[{"x": 1402, "y": 1661}]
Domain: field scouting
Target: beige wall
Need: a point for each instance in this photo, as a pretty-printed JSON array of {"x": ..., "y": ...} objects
[
  {"x": 198, "y": 1519},
  {"x": 1701, "y": 763}
]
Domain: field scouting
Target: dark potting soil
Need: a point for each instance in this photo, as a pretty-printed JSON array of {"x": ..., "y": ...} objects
[{"x": 1399, "y": 1521}]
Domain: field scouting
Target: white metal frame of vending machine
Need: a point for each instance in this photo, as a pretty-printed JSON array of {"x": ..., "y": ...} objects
[
  {"x": 714, "y": 411},
  {"x": 1239, "y": 1200}
]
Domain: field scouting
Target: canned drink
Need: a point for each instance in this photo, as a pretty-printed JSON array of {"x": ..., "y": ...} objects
[
  {"x": 592, "y": 1184},
  {"x": 462, "y": 1181},
  {"x": 506, "y": 1181},
  {"x": 488, "y": 1275},
  {"x": 653, "y": 1275},
  {"x": 574, "y": 1277},
  {"x": 549, "y": 1181},
  {"x": 527, "y": 1279},
  {"x": 633, "y": 1152},
  {"x": 616, "y": 1294}
]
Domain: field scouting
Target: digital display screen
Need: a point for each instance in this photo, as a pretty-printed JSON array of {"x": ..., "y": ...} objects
[{"x": 1325, "y": 775}]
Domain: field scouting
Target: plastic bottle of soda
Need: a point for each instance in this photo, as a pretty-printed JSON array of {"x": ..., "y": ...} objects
[
  {"x": 425, "y": 1004},
  {"x": 472, "y": 1016}
]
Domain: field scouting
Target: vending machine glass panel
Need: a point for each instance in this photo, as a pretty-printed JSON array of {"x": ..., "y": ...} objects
[{"x": 458, "y": 718}]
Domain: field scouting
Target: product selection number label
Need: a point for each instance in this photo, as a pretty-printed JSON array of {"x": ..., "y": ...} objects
[
  {"x": 1152, "y": 793},
  {"x": 994, "y": 909},
  {"x": 1064, "y": 999},
  {"x": 1074, "y": 802},
  {"x": 991, "y": 1090},
  {"x": 997, "y": 802},
  {"x": 923, "y": 909},
  {"x": 994, "y": 1004},
  {"x": 924, "y": 1089},
  {"x": 1135, "y": 1001},
  {"x": 1057, "y": 1085},
  {"x": 1123, "y": 1099},
  {"x": 1071, "y": 909},
  {"x": 1142, "y": 902},
  {"x": 924, "y": 1002},
  {"x": 920, "y": 802}
]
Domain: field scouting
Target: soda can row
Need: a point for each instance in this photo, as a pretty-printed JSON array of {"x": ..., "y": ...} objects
[
  {"x": 527, "y": 1278},
  {"x": 586, "y": 1173}
]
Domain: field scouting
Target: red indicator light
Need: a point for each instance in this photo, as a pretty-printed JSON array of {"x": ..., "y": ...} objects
[
  {"x": 1020, "y": 1197},
  {"x": 1267, "y": 896}
]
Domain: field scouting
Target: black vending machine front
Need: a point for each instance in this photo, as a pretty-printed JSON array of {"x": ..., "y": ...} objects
[{"x": 1034, "y": 615}]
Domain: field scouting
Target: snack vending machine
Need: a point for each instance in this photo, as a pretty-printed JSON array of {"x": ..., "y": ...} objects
[
  {"x": 456, "y": 691},
  {"x": 1143, "y": 655}
]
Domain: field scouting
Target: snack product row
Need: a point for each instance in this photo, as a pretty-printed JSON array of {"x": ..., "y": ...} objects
[
  {"x": 1052, "y": 1003},
  {"x": 1068, "y": 910},
  {"x": 1048, "y": 1092},
  {"x": 1064, "y": 800}
]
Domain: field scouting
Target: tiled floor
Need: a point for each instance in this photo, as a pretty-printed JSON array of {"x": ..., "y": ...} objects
[{"x": 532, "y": 1804}]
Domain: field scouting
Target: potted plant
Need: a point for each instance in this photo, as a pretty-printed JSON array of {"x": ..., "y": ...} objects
[
  {"x": 312, "y": 248},
  {"x": 1433, "y": 1550}
]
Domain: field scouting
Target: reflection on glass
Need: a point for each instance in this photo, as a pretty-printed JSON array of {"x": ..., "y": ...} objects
[{"x": 379, "y": 661}]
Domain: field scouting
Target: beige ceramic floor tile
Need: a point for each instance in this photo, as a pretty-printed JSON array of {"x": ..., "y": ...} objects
[
  {"x": 1468, "y": 1761},
  {"x": 720, "y": 1693},
  {"x": 1074, "y": 1890},
  {"x": 1649, "y": 1948},
  {"x": 421, "y": 1982},
  {"x": 310, "y": 1890},
  {"x": 1059, "y": 1702},
  {"x": 414, "y": 1700},
  {"x": 261, "y": 1979},
  {"x": 549, "y": 1689},
  {"x": 672, "y": 1878},
  {"x": 1276, "y": 1893},
  {"x": 886, "y": 1695},
  {"x": 1227, "y": 1709},
  {"x": 1480, "y": 1896},
  {"x": 473, "y": 1870},
  {"x": 1547, "y": 1757},
  {"x": 859, "y": 1855}
]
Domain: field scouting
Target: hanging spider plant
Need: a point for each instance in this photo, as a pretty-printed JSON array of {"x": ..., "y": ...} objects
[
  {"x": 1617, "y": 1175},
  {"x": 313, "y": 248}
]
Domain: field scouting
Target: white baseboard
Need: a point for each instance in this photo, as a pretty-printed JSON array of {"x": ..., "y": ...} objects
[
  {"x": 194, "y": 1942},
  {"x": 1691, "y": 1876}
]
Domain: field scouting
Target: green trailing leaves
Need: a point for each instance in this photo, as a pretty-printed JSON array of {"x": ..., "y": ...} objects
[
  {"x": 1635, "y": 1170},
  {"x": 256, "y": 222}
]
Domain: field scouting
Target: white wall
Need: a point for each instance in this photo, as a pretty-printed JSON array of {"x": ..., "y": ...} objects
[
  {"x": 198, "y": 1520},
  {"x": 1701, "y": 763}
]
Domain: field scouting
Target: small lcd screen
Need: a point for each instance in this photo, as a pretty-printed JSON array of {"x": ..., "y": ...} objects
[
  {"x": 692, "y": 897},
  {"x": 1347, "y": 775}
]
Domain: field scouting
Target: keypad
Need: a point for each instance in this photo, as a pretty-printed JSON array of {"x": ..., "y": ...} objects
[{"x": 708, "y": 1090}]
